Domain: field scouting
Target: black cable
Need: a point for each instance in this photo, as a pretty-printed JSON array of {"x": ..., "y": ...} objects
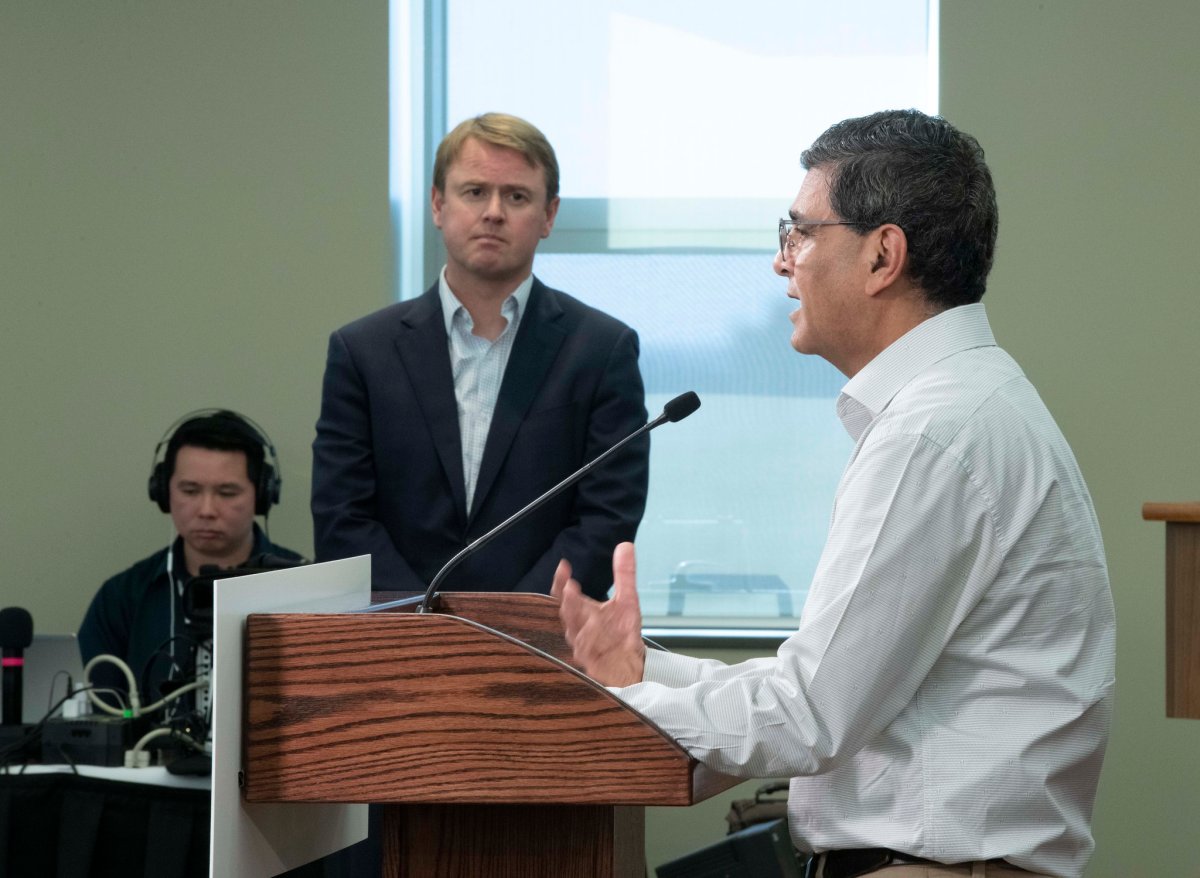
[{"x": 35, "y": 731}]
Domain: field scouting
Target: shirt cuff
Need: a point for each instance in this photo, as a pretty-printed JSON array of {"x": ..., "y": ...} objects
[{"x": 668, "y": 669}]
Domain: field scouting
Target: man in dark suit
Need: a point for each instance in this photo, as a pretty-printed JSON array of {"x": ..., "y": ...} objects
[{"x": 443, "y": 415}]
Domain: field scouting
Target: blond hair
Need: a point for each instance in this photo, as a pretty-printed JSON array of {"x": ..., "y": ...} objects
[{"x": 499, "y": 129}]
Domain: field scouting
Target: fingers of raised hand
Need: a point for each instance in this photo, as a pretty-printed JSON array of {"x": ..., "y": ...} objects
[
  {"x": 562, "y": 573},
  {"x": 574, "y": 610},
  {"x": 625, "y": 573}
]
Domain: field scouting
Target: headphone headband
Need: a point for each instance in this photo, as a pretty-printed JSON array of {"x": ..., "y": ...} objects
[{"x": 267, "y": 486}]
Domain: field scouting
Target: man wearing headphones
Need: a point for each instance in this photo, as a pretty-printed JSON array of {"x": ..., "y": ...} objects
[{"x": 213, "y": 479}]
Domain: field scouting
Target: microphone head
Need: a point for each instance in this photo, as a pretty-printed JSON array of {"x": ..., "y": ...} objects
[
  {"x": 16, "y": 628},
  {"x": 681, "y": 406}
]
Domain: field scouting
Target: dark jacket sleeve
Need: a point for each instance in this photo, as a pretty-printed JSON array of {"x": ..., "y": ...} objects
[
  {"x": 344, "y": 488},
  {"x": 610, "y": 500},
  {"x": 105, "y": 627}
]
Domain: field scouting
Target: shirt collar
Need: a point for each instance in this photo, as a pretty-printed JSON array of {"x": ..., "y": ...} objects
[
  {"x": 179, "y": 564},
  {"x": 950, "y": 332},
  {"x": 451, "y": 304}
]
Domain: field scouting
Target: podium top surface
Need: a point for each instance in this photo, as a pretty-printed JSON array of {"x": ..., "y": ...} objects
[{"x": 1188, "y": 512}]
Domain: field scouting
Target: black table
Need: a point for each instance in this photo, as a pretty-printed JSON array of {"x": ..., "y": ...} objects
[
  {"x": 55, "y": 823},
  {"x": 64, "y": 825}
]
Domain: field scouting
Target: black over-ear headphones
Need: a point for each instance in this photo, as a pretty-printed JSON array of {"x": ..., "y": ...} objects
[{"x": 266, "y": 489}]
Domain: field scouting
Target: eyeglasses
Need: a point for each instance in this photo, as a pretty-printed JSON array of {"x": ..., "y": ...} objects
[{"x": 787, "y": 226}]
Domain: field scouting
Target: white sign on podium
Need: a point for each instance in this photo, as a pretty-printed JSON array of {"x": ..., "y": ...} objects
[{"x": 261, "y": 840}]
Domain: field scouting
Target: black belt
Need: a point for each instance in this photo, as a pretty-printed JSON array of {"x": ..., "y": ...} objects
[{"x": 850, "y": 864}]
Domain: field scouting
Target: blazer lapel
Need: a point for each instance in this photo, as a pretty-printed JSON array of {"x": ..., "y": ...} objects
[
  {"x": 538, "y": 339},
  {"x": 423, "y": 349}
]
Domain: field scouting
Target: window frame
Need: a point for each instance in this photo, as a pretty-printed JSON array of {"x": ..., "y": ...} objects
[{"x": 418, "y": 119}]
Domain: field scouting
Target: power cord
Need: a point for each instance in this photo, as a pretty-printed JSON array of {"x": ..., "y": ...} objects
[
  {"x": 138, "y": 756},
  {"x": 135, "y": 705}
]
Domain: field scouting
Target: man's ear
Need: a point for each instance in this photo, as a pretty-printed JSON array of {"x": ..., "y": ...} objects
[
  {"x": 889, "y": 255},
  {"x": 551, "y": 213},
  {"x": 436, "y": 200}
]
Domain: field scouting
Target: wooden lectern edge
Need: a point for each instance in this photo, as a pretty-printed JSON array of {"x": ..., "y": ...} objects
[
  {"x": 589, "y": 681},
  {"x": 1185, "y": 512},
  {"x": 705, "y": 782},
  {"x": 1182, "y": 599}
]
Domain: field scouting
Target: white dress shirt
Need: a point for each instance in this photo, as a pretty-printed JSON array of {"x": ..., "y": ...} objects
[
  {"x": 949, "y": 690},
  {"x": 478, "y": 366}
]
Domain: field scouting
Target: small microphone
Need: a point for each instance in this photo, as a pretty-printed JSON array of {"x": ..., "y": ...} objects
[
  {"x": 675, "y": 410},
  {"x": 16, "y": 633}
]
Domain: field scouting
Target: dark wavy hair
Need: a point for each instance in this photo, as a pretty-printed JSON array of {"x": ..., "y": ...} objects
[{"x": 922, "y": 174}]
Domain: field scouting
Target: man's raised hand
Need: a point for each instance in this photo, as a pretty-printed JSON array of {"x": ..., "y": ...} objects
[{"x": 606, "y": 637}]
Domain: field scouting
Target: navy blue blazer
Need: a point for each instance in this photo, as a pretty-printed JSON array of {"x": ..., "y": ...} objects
[{"x": 387, "y": 458}]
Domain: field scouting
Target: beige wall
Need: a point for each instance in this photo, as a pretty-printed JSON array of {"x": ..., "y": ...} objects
[
  {"x": 1089, "y": 116},
  {"x": 193, "y": 195}
]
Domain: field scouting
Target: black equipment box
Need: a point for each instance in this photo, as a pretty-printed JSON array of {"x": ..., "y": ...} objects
[{"x": 97, "y": 740}]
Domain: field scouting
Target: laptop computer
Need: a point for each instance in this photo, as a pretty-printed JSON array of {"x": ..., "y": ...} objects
[{"x": 49, "y": 660}]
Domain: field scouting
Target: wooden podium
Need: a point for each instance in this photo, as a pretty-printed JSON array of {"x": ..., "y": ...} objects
[
  {"x": 1183, "y": 604},
  {"x": 493, "y": 755}
]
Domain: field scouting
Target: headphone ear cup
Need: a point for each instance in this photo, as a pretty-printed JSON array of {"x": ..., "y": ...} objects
[
  {"x": 159, "y": 492},
  {"x": 266, "y": 492}
]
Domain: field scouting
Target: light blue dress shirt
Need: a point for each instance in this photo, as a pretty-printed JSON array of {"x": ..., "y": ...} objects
[{"x": 478, "y": 366}]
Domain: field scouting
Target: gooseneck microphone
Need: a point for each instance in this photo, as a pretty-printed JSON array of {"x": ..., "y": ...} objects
[
  {"x": 16, "y": 633},
  {"x": 675, "y": 410}
]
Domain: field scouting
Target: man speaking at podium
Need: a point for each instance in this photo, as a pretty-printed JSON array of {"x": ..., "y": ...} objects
[
  {"x": 944, "y": 706},
  {"x": 443, "y": 415}
]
